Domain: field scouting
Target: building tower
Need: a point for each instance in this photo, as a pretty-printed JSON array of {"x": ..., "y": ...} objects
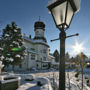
[{"x": 39, "y": 28}]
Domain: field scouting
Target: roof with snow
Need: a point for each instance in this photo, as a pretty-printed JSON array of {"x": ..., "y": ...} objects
[
  {"x": 35, "y": 41},
  {"x": 55, "y": 63},
  {"x": 31, "y": 51},
  {"x": 45, "y": 61}
]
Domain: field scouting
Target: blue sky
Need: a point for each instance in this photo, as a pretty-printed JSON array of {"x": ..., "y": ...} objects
[{"x": 26, "y": 12}]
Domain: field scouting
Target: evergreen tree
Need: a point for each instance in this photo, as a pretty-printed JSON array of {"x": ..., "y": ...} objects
[
  {"x": 67, "y": 57},
  {"x": 12, "y": 39},
  {"x": 56, "y": 55},
  {"x": 1, "y": 49}
]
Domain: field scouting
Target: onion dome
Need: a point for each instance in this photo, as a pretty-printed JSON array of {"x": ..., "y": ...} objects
[{"x": 39, "y": 25}]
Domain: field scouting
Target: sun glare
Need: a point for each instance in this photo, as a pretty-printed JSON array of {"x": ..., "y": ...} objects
[{"x": 78, "y": 47}]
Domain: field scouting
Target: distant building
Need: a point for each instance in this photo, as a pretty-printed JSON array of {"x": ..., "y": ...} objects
[
  {"x": 37, "y": 50},
  {"x": 87, "y": 63}
]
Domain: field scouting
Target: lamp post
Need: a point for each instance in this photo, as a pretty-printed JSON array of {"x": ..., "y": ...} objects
[{"x": 62, "y": 12}]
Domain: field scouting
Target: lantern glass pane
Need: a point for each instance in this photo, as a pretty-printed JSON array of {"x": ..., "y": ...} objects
[
  {"x": 69, "y": 14},
  {"x": 58, "y": 13}
]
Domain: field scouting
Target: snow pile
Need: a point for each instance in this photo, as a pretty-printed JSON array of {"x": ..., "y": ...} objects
[
  {"x": 25, "y": 54},
  {"x": 14, "y": 78},
  {"x": 8, "y": 54},
  {"x": 10, "y": 59},
  {"x": 11, "y": 45},
  {"x": 1, "y": 48},
  {"x": 2, "y": 57},
  {"x": 7, "y": 35},
  {"x": 20, "y": 40},
  {"x": 15, "y": 30},
  {"x": 47, "y": 87},
  {"x": 43, "y": 80},
  {"x": 29, "y": 77},
  {"x": 15, "y": 42},
  {"x": 23, "y": 42},
  {"x": 22, "y": 58},
  {"x": 18, "y": 56}
]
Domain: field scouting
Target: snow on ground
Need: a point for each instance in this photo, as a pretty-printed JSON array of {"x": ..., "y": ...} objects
[
  {"x": 76, "y": 83},
  {"x": 52, "y": 78},
  {"x": 32, "y": 85}
]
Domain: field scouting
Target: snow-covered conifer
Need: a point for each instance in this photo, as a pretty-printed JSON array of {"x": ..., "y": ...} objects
[{"x": 12, "y": 39}]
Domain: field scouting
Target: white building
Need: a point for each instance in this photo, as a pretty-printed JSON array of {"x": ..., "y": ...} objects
[{"x": 37, "y": 50}]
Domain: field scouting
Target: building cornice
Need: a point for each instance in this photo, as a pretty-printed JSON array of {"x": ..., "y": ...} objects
[{"x": 36, "y": 41}]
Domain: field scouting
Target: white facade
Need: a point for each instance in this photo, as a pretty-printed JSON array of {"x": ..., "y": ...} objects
[{"x": 37, "y": 54}]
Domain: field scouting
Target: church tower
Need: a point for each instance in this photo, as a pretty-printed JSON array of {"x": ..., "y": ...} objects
[{"x": 39, "y": 28}]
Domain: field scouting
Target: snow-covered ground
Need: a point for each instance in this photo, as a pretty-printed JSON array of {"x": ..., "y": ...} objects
[
  {"x": 76, "y": 83},
  {"x": 50, "y": 80},
  {"x": 32, "y": 85}
]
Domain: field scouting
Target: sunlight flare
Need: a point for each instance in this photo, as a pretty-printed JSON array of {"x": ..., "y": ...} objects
[{"x": 78, "y": 47}]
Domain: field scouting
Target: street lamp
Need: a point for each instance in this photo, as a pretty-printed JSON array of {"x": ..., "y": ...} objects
[{"x": 62, "y": 12}]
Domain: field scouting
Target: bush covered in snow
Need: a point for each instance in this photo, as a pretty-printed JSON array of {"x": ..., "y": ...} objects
[
  {"x": 29, "y": 77},
  {"x": 39, "y": 83},
  {"x": 43, "y": 80}
]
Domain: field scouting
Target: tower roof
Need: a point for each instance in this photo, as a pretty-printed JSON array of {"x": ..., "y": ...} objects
[{"x": 39, "y": 25}]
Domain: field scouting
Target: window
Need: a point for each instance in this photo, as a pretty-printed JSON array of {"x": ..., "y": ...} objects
[
  {"x": 45, "y": 65},
  {"x": 44, "y": 51},
  {"x": 44, "y": 58},
  {"x": 37, "y": 32},
  {"x": 32, "y": 57},
  {"x": 41, "y": 51},
  {"x": 41, "y": 59}
]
